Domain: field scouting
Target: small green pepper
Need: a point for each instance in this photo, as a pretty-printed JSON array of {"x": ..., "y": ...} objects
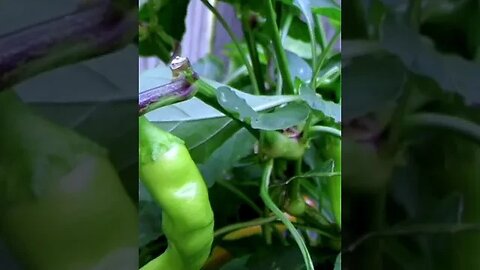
[
  {"x": 278, "y": 145},
  {"x": 174, "y": 181}
]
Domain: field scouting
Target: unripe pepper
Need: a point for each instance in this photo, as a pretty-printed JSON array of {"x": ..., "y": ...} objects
[
  {"x": 278, "y": 145},
  {"x": 175, "y": 183},
  {"x": 62, "y": 205}
]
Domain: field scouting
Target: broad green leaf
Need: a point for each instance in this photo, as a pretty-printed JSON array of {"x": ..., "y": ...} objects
[
  {"x": 327, "y": 8},
  {"x": 298, "y": 47},
  {"x": 236, "y": 105},
  {"x": 452, "y": 73},
  {"x": 141, "y": 3},
  {"x": 360, "y": 47},
  {"x": 217, "y": 167},
  {"x": 202, "y": 137},
  {"x": 283, "y": 117},
  {"x": 237, "y": 264},
  {"x": 365, "y": 93},
  {"x": 299, "y": 68},
  {"x": 316, "y": 102}
]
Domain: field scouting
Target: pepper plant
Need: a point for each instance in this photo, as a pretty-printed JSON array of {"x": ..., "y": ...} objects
[{"x": 263, "y": 128}]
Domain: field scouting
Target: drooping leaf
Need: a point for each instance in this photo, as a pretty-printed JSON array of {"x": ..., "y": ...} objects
[
  {"x": 316, "y": 102},
  {"x": 452, "y": 73},
  {"x": 283, "y": 117}
]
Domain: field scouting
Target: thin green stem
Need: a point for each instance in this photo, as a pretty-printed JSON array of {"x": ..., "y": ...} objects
[
  {"x": 313, "y": 175},
  {"x": 240, "y": 194},
  {"x": 235, "y": 75},
  {"x": 320, "y": 232},
  {"x": 320, "y": 31},
  {"x": 285, "y": 30},
  {"x": 241, "y": 225},
  {"x": 414, "y": 13},
  {"x": 280, "y": 215},
  {"x": 324, "y": 129},
  {"x": 453, "y": 123},
  {"x": 235, "y": 42},
  {"x": 313, "y": 47},
  {"x": 416, "y": 229},
  {"x": 324, "y": 54},
  {"x": 252, "y": 48},
  {"x": 286, "y": 27},
  {"x": 280, "y": 55}
]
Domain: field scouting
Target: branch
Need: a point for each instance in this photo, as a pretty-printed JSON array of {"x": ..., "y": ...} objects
[
  {"x": 81, "y": 35},
  {"x": 420, "y": 229}
]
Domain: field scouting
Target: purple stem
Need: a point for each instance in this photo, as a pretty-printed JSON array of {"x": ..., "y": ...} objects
[
  {"x": 83, "y": 34},
  {"x": 175, "y": 91}
]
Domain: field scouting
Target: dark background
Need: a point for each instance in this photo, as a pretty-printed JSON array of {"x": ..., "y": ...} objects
[
  {"x": 411, "y": 153},
  {"x": 68, "y": 157}
]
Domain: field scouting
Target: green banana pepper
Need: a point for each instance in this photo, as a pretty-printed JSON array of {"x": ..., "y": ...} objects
[
  {"x": 60, "y": 196},
  {"x": 175, "y": 183}
]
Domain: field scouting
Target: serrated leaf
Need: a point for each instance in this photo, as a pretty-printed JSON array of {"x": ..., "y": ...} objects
[{"x": 316, "y": 102}]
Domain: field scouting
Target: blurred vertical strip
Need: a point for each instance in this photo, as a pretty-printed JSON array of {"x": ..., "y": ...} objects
[{"x": 196, "y": 40}]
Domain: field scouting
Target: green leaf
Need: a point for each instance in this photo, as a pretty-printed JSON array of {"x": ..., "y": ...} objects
[
  {"x": 218, "y": 166},
  {"x": 299, "y": 68},
  {"x": 298, "y": 47},
  {"x": 283, "y": 117},
  {"x": 452, "y": 73},
  {"x": 163, "y": 23},
  {"x": 237, "y": 264},
  {"x": 327, "y": 8},
  {"x": 364, "y": 94},
  {"x": 317, "y": 103},
  {"x": 338, "y": 262},
  {"x": 234, "y": 104},
  {"x": 202, "y": 137}
]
